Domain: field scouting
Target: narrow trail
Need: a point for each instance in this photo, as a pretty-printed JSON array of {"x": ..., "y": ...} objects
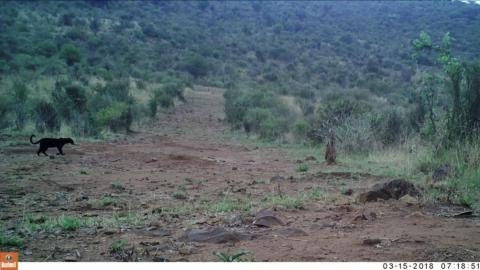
[{"x": 187, "y": 153}]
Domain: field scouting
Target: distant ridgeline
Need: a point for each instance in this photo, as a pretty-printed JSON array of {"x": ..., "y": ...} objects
[{"x": 309, "y": 51}]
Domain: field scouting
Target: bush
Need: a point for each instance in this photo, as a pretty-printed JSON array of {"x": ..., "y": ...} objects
[
  {"x": 355, "y": 135},
  {"x": 69, "y": 99},
  {"x": 259, "y": 111},
  {"x": 117, "y": 90},
  {"x": 116, "y": 117},
  {"x": 47, "y": 48},
  {"x": 388, "y": 127},
  {"x": 71, "y": 54},
  {"x": 301, "y": 128},
  {"x": 46, "y": 117},
  {"x": 196, "y": 66}
]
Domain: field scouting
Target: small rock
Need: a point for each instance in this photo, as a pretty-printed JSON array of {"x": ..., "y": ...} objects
[
  {"x": 185, "y": 250},
  {"x": 151, "y": 160},
  {"x": 234, "y": 168},
  {"x": 109, "y": 232},
  {"x": 298, "y": 161},
  {"x": 408, "y": 200},
  {"x": 266, "y": 218},
  {"x": 310, "y": 158},
  {"x": 360, "y": 217},
  {"x": 371, "y": 242},
  {"x": 239, "y": 190},
  {"x": 215, "y": 235},
  {"x": 348, "y": 192},
  {"x": 70, "y": 258},
  {"x": 464, "y": 214}
]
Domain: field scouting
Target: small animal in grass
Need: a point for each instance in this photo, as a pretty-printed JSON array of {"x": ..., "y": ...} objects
[
  {"x": 330, "y": 152},
  {"x": 46, "y": 143}
]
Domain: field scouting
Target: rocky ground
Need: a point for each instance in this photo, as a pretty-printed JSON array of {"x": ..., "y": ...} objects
[{"x": 181, "y": 190}]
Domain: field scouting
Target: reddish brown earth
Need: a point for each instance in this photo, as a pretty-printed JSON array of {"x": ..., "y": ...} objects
[{"x": 188, "y": 151}]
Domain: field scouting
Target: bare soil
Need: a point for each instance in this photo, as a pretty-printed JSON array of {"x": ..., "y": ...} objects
[{"x": 188, "y": 152}]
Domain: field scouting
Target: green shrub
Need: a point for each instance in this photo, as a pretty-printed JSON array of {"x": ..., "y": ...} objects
[
  {"x": 115, "y": 117},
  {"x": 153, "y": 106},
  {"x": 69, "y": 223},
  {"x": 226, "y": 257},
  {"x": 118, "y": 246},
  {"x": 10, "y": 241},
  {"x": 388, "y": 127},
  {"x": 301, "y": 128},
  {"x": 46, "y": 118},
  {"x": 71, "y": 54},
  {"x": 117, "y": 90},
  {"x": 197, "y": 66},
  {"x": 259, "y": 111},
  {"x": 302, "y": 168},
  {"x": 180, "y": 195}
]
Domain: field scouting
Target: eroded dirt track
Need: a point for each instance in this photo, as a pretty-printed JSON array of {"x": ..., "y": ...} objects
[{"x": 183, "y": 173}]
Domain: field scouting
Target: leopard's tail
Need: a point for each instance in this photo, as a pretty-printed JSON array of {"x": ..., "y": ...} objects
[{"x": 31, "y": 140}]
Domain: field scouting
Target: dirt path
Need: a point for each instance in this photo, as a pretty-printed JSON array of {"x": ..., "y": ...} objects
[{"x": 182, "y": 173}]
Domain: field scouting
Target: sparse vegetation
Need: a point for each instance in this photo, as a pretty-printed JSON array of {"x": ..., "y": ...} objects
[
  {"x": 10, "y": 241},
  {"x": 109, "y": 201},
  {"x": 37, "y": 223},
  {"x": 118, "y": 245},
  {"x": 225, "y": 257},
  {"x": 302, "y": 168},
  {"x": 118, "y": 186},
  {"x": 180, "y": 195}
]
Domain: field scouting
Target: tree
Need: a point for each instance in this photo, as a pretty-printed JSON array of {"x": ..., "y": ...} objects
[
  {"x": 71, "y": 54},
  {"x": 463, "y": 113},
  {"x": 197, "y": 66},
  {"x": 428, "y": 95}
]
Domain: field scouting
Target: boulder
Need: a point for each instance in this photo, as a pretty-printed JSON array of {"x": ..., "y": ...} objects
[
  {"x": 394, "y": 189},
  {"x": 215, "y": 235},
  {"x": 267, "y": 218},
  {"x": 408, "y": 200}
]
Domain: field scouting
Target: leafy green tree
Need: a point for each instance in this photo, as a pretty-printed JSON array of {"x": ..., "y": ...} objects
[
  {"x": 456, "y": 73},
  {"x": 197, "y": 66},
  {"x": 71, "y": 54},
  {"x": 428, "y": 94}
]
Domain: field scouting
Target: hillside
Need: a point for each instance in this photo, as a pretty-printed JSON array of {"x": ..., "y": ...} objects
[{"x": 308, "y": 50}]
